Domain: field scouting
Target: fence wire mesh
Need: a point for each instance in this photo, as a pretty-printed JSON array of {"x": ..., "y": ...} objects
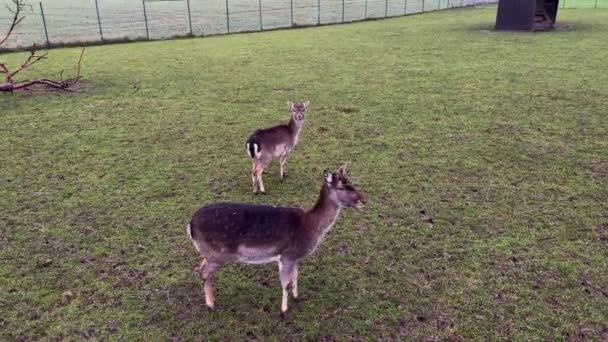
[{"x": 75, "y": 21}]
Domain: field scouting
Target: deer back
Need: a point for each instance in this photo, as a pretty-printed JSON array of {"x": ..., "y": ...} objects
[{"x": 229, "y": 227}]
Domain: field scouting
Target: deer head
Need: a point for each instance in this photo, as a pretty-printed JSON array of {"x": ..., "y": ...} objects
[
  {"x": 341, "y": 191},
  {"x": 298, "y": 109}
]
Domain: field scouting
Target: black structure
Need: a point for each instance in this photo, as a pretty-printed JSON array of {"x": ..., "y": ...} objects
[{"x": 526, "y": 15}]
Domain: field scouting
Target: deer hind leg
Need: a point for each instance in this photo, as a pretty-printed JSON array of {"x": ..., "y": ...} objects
[
  {"x": 283, "y": 162},
  {"x": 254, "y": 177},
  {"x": 285, "y": 274},
  {"x": 206, "y": 269},
  {"x": 259, "y": 169}
]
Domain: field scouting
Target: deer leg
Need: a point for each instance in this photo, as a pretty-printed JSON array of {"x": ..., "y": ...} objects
[
  {"x": 283, "y": 162},
  {"x": 206, "y": 270},
  {"x": 294, "y": 281},
  {"x": 254, "y": 177},
  {"x": 285, "y": 274},
  {"x": 258, "y": 171}
]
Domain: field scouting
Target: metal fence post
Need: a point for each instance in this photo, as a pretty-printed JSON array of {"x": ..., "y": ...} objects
[
  {"x": 291, "y": 10},
  {"x": 146, "y": 20},
  {"x": 342, "y": 11},
  {"x": 260, "y": 14},
  {"x": 405, "y": 7},
  {"x": 318, "y": 12},
  {"x": 46, "y": 32},
  {"x": 365, "y": 17},
  {"x": 461, "y": 3},
  {"x": 189, "y": 18},
  {"x": 227, "y": 18},
  {"x": 386, "y": 8},
  {"x": 422, "y": 6},
  {"x": 595, "y": 4},
  {"x": 99, "y": 20}
]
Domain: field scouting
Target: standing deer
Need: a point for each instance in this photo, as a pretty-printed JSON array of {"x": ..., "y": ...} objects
[
  {"x": 275, "y": 142},
  {"x": 259, "y": 234}
]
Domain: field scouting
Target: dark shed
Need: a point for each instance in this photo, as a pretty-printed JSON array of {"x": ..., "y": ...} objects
[{"x": 526, "y": 15}]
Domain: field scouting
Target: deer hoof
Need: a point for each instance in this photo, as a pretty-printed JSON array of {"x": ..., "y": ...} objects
[{"x": 285, "y": 316}]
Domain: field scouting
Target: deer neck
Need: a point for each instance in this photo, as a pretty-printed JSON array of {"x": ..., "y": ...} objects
[
  {"x": 324, "y": 214},
  {"x": 294, "y": 128}
]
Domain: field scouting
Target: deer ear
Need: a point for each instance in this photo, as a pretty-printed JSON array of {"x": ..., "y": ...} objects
[
  {"x": 306, "y": 104},
  {"x": 290, "y": 105},
  {"x": 327, "y": 176}
]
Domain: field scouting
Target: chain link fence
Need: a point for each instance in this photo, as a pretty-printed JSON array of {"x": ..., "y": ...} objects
[{"x": 57, "y": 22}]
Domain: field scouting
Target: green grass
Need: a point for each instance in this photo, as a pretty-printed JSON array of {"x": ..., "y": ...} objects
[{"x": 501, "y": 137}]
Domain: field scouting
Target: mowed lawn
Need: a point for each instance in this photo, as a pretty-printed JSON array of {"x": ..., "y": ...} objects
[{"x": 502, "y": 138}]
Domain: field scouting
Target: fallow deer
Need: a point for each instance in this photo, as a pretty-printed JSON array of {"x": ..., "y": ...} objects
[
  {"x": 276, "y": 142},
  {"x": 259, "y": 234}
]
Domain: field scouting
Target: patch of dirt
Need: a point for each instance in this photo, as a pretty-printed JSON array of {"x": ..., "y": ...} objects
[
  {"x": 453, "y": 337},
  {"x": 583, "y": 334},
  {"x": 67, "y": 297},
  {"x": 347, "y": 109},
  {"x": 600, "y": 233},
  {"x": 3, "y": 242},
  {"x": 425, "y": 218},
  {"x": 598, "y": 172},
  {"x": 592, "y": 289},
  {"x": 219, "y": 187},
  {"x": 90, "y": 333},
  {"x": 445, "y": 322},
  {"x": 506, "y": 128},
  {"x": 282, "y": 90}
]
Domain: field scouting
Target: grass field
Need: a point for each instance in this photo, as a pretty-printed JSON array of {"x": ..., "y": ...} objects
[{"x": 501, "y": 137}]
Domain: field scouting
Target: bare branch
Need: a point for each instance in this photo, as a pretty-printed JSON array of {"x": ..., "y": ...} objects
[
  {"x": 31, "y": 60},
  {"x": 9, "y": 84},
  {"x": 17, "y": 18}
]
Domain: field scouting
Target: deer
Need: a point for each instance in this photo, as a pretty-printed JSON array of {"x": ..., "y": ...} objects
[
  {"x": 278, "y": 141},
  {"x": 228, "y": 232}
]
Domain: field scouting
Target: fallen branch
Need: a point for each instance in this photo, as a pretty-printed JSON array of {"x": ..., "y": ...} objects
[{"x": 9, "y": 84}]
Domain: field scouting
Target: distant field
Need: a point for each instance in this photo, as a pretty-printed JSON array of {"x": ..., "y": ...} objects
[
  {"x": 501, "y": 137},
  {"x": 76, "y": 20}
]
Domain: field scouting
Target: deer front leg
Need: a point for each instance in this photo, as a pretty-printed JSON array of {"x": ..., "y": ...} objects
[
  {"x": 285, "y": 273},
  {"x": 206, "y": 269},
  {"x": 283, "y": 162},
  {"x": 294, "y": 281}
]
